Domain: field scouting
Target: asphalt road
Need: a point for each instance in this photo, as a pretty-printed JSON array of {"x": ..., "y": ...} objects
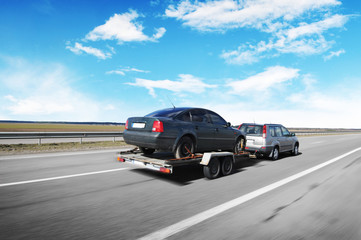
[{"x": 89, "y": 195}]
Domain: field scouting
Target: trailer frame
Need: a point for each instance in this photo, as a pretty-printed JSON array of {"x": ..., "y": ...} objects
[{"x": 214, "y": 164}]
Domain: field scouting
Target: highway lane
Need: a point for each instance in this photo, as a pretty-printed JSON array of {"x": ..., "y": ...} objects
[{"x": 132, "y": 203}]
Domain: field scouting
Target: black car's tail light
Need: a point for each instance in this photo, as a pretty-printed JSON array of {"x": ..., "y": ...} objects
[{"x": 157, "y": 126}]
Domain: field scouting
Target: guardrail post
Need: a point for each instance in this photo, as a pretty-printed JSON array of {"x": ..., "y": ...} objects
[
  {"x": 81, "y": 140},
  {"x": 113, "y": 139},
  {"x": 39, "y": 142}
]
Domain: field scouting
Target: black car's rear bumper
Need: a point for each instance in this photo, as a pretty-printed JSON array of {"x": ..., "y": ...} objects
[{"x": 153, "y": 140}]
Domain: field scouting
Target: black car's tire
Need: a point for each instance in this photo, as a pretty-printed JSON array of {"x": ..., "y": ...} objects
[
  {"x": 239, "y": 145},
  {"x": 185, "y": 148},
  {"x": 275, "y": 154},
  {"x": 295, "y": 149},
  {"x": 227, "y": 166},
  {"x": 146, "y": 150},
  {"x": 213, "y": 169}
]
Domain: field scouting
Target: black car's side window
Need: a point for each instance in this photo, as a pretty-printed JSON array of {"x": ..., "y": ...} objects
[
  {"x": 198, "y": 115},
  {"x": 185, "y": 117},
  {"x": 216, "y": 119}
]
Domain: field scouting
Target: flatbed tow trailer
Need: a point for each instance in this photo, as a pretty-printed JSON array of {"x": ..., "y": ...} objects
[{"x": 214, "y": 164}]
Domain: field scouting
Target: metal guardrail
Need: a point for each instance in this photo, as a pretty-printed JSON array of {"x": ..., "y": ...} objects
[
  {"x": 324, "y": 133},
  {"x": 81, "y": 135},
  {"x": 43, "y": 135}
]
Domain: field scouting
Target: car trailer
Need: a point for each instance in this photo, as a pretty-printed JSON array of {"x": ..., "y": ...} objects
[{"x": 214, "y": 164}]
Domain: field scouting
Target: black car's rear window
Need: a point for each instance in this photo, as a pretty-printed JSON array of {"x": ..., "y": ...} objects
[{"x": 169, "y": 112}]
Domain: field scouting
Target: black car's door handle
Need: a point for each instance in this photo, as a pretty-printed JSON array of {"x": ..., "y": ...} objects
[
  {"x": 196, "y": 127},
  {"x": 216, "y": 129}
]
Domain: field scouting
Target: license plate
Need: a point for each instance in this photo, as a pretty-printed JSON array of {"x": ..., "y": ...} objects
[{"x": 138, "y": 125}]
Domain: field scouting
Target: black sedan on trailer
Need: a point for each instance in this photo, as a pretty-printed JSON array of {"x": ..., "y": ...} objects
[{"x": 182, "y": 131}]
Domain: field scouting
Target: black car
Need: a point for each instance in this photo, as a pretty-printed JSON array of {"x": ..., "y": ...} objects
[{"x": 182, "y": 131}]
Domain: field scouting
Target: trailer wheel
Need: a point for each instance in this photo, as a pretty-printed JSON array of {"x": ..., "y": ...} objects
[
  {"x": 227, "y": 166},
  {"x": 147, "y": 151},
  {"x": 213, "y": 169},
  {"x": 184, "y": 148}
]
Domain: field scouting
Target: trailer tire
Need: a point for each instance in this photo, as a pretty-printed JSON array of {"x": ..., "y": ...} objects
[
  {"x": 184, "y": 144},
  {"x": 146, "y": 151},
  {"x": 227, "y": 166},
  {"x": 213, "y": 169}
]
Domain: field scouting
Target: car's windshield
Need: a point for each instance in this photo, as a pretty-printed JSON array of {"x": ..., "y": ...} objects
[{"x": 169, "y": 112}]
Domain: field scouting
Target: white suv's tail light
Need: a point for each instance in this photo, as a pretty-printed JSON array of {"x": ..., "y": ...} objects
[{"x": 264, "y": 135}]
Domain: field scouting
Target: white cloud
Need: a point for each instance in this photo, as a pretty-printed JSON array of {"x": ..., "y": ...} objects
[
  {"x": 43, "y": 91},
  {"x": 186, "y": 83},
  {"x": 124, "y": 28},
  {"x": 227, "y": 14},
  {"x": 288, "y": 23},
  {"x": 335, "y": 21},
  {"x": 260, "y": 82},
  {"x": 333, "y": 54},
  {"x": 122, "y": 71},
  {"x": 79, "y": 48},
  {"x": 306, "y": 39},
  {"x": 308, "y": 105},
  {"x": 119, "y": 72}
]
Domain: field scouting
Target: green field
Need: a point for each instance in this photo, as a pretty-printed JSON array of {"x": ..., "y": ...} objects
[{"x": 61, "y": 127}]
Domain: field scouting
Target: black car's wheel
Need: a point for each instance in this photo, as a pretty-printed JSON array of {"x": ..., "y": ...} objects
[
  {"x": 185, "y": 148},
  {"x": 227, "y": 166},
  {"x": 213, "y": 169},
  {"x": 295, "y": 150},
  {"x": 146, "y": 150},
  {"x": 239, "y": 146},
  {"x": 275, "y": 154}
]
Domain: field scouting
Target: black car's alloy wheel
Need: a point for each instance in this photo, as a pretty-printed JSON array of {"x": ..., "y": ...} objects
[
  {"x": 185, "y": 148},
  {"x": 239, "y": 146}
]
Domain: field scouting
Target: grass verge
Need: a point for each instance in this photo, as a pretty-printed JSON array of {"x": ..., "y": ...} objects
[{"x": 10, "y": 149}]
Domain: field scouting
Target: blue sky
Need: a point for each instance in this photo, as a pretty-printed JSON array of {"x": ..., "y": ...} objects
[{"x": 292, "y": 62}]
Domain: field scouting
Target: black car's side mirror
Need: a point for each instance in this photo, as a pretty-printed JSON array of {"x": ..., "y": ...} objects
[{"x": 228, "y": 124}]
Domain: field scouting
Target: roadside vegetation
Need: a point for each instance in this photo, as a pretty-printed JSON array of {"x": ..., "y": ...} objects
[{"x": 10, "y": 149}]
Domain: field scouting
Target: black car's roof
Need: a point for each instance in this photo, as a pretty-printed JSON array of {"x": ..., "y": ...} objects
[
  {"x": 167, "y": 111},
  {"x": 171, "y": 112}
]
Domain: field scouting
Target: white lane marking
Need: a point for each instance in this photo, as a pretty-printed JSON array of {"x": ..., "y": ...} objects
[
  {"x": 61, "y": 154},
  {"x": 60, "y": 177},
  {"x": 318, "y": 142},
  {"x": 189, "y": 222}
]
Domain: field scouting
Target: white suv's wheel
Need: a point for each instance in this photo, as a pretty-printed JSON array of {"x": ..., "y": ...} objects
[{"x": 275, "y": 153}]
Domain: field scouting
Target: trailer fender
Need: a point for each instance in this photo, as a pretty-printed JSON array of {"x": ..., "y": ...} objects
[{"x": 209, "y": 155}]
